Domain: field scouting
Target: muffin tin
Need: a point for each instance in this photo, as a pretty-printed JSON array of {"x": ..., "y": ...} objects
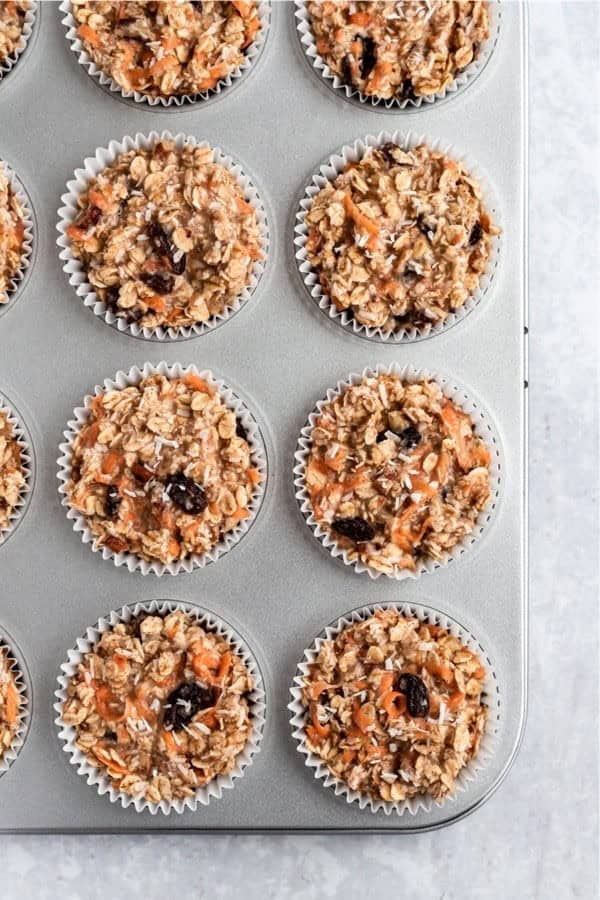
[{"x": 278, "y": 588}]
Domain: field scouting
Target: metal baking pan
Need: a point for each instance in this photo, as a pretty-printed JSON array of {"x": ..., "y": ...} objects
[{"x": 278, "y": 587}]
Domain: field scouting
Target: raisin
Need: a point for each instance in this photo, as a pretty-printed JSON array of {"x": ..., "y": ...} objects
[
  {"x": 424, "y": 226},
  {"x": 240, "y": 430},
  {"x": 476, "y": 234},
  {"x": 409, "y": 436},
  {"x": 184, "y": 702},
  {"x": 407, "y": 91},
  {"x": 347, "y": 76},
  {"x": 188, "y": 495},
  {"x": 111, "y": 296},
  {"x": 417, "y": 698},
  {"x": 381, "y": 436},
  {"x": 387, "y": 152},
  {"x": 94, "y": 215},
  {"x": 410, "y": 275},
  {"x": 179, "y": 266},
  {"x": 369, "y": 57},
  {"x": 354, "y": 528},
  {"x": 159, "y": 282},
  {"x": 113, "y": 501},
  {"x": 160, "y": 241}
]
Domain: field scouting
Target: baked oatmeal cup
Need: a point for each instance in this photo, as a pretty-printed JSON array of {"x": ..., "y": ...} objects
[
  {"x": 13, "y": 706},
  {"x": 395, "y": 238},
  {"x": 161, "y": 705},
  {"x": 163, "y": 469},
  {"x": 393, "y": 474},
  {"x": 16, "y": 24},
  {"x": 168, "y": 239},
  {"x": 390, "y": 707},
  {"x": 15, "y": 470},
  {"x": 16, "y": 235},
  {"x": 166, "y": 53},
  {"x": 398, "y": 55}
]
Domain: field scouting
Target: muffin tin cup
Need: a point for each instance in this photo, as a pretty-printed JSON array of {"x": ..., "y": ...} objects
[
  {"x": 395, "y": 104},
  {"x": 16, "y": 663},
  {"x": 107, "y": 156},
  {"x": 484, "y": 428},
  {"x": 94, "y": 775},
  {"x": 21, "y": 276},
  {"x": 420, "y": 803},
  {"x": 8, "y": 64},
  {"x": 23, "y": 439},
  {"x": 334, "y": 166},
  {"x": 179, "y": 102},
  {"x": 258, "y": 456}
]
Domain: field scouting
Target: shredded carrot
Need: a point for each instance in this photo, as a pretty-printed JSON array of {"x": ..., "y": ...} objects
[
  {"x": 11, "y": 708},
  {"x": 363, "y": 718},
  {"x": 205, "y": 663},
  {"x": 348, "y": 756},
  {"x": 455, "y": 699},
  {"x": 394, "y": 704},
  {"x": 359, "y": 218},
  {"x": 385, "y": 682},
  {"x": 224, "y": 666},
  {"x": 196, "y": 383},
  {"x": 170, "y": 743},
  {"x": 316, "y": 689},
  {"x": 112, "y": 462},
  {"x": 251, "y": 30},
  {"x": 240, "y": 514},
  {"x": 336, "y": 462},
  {"x": 163, "y": 65},
  {"x": 321, "y": 730},
  {"x": 75, "y": 233},
  {"x": 254, "y": 476},
  {"x": 174, "y": 548},
  {"x": 88, "y": 34},
  {"x": 101, "y": 754},
  {"x": 107, "y": 704},
  {"x": 158, "y": 304},
  {"x": 116, "y": 544},
  {"x": 97, "y": 198},
  {"x": 362, "y": 19},
  {"x": 244, "y": 207},
  {"x": 89, "y": 434},
  {"x": 243, "y": 7}
]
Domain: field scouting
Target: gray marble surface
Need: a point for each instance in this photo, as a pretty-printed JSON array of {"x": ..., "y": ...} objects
[{"x": 537, "y": 837}]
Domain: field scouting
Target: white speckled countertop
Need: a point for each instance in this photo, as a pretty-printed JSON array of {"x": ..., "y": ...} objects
[{"x": 535, "y": 838}]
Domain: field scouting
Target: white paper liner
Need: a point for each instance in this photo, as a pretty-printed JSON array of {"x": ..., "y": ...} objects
[
  {"x": 328, "y": 171},
  {"x": 420, "y": 803},
  {"x": 106, "y": 156},
  {"x": 395, "y": 104},
  {"x": 258, "y": 456},
  {"x": 174, "y": 102},
  {"x": 9, "y": 62},
  {"x": 95, "y": 775},
  {"x": 23, "y": 439},
  {"x": 19, "y": 279},
  {"x": 483, "y": 427},
  {"x": 16, "y": 663}
]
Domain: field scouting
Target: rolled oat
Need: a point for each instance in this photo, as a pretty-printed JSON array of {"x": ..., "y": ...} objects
[
  {"x": 394, "y": 707},
  {"x": 170, "y": 48},
  {"x": 396, "y": 473},
  {"x": 401, "y": 238},
  {"x": 165, "y": 236},
  {"x": 161, "y": 705},
  {"x": 162, "y": 469}
]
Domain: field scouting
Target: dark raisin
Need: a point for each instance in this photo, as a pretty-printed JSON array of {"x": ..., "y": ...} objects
[
  {"x": 410, "y": 275},
  {"x": 240, "y": 430},
  {"x": 387, "y": 151},
  {"x": 159, "y": 282},
  {"x": 369, "y": 56},
  {"x": 444, "y": 493},
  {"x": 355, "y": 528},
  {"x": 188, "y": 495},
  {"x": 425, "y": 226},
  {"x": 159, "y": 239},
  {"x": 111, "y": 296},
  {"x": 94, "y": 215},
  {"x": 381, "y": 436},
  {"x": 347, "y": 76},
  {"x": 179, "y": 266},
  {"x": 409, "y": 436},
  {"x": 417, "y": 698},
  {"x": 184, "y": 702},
  {"x": 407, "y": 91},
  {"x": 476, "y": 234},
  {"x": 113, "y": 501}
]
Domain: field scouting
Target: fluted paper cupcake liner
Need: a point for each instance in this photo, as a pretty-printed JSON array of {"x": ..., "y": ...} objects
[
  {"x": 484, "y": 428},
  {"x": 9, "y": 62},
  {"x": 395, "y": 104},
  {"x": 17, "y": 665},
  {"x": 333, "y": 167},
  {"x": 422, "y": 802},
  {"x": 23, "y": 439},
  {"x": 258, "y": 456},
  {"x": 106, "y": 156},
  {"x": 176, "y": 101},
  {"x": 21, "y": 276},
  {"x": 94, "y": 775}
]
